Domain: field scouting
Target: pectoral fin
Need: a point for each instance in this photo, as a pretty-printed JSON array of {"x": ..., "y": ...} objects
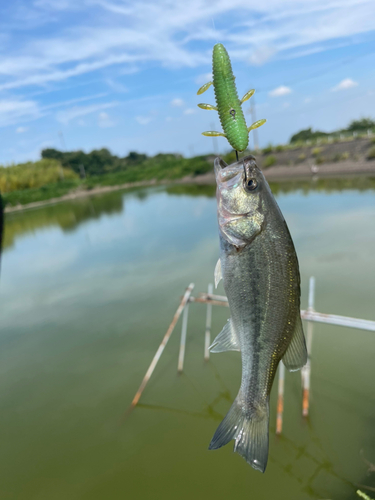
[
  {"x": 204, "y": 88},
  {"x": 257, "y": 124},
  {"x": 296, "y": 354},
  {"x": 218, "y": 274},
  {"x": 226, "y": 340}
]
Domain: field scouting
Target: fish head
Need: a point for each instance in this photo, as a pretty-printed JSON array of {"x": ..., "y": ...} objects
[{"x": 240, "y": 188}]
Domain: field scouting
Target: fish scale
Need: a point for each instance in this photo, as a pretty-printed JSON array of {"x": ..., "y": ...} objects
[{"x": 227, "y": 99}]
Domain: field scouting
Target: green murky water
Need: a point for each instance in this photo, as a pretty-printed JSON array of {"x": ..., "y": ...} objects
[{"x": 88, "y": 289}]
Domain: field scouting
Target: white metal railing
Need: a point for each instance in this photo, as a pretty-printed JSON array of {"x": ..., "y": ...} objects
[{"x": 211, "y": 299}]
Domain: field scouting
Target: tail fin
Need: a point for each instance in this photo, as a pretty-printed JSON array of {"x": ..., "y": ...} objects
[{"x": 250, "y": 432}]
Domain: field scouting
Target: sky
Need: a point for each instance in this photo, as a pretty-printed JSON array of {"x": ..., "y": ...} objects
[{"x": 87, "y": 74}]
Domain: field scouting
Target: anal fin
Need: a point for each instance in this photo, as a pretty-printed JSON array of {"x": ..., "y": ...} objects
[
  {"x": 226, "y": 340},
  {"x": 218, "y": 273},
  {"x": 295, "y": 356}
]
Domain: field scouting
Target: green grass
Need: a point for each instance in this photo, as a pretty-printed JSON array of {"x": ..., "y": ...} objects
[
  {"x": 269, "y": 161},
  {"x": 25, "y": 196},
  {"x": 167, "y": 167}
]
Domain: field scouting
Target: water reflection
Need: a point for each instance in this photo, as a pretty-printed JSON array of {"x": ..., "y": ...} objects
[
  {"x": 1, "y": 223},
  {"x": 315, "y": 184},
  {"x": 67, "y": 216},
  {"x": 207, "y": 191}
]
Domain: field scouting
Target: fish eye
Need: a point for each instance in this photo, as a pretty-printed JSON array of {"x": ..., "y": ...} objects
[{"x": 250, "y": 184}]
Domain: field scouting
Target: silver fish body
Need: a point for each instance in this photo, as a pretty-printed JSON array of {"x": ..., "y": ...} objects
[{"x": 260, "y": 272}]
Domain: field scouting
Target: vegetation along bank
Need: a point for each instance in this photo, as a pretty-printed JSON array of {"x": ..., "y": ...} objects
[{"x": 63, "y": 175}]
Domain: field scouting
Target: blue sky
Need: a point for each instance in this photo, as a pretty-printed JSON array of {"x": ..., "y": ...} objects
[{"x": 86, "y": 74}]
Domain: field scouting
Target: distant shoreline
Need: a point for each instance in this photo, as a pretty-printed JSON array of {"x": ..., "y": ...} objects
[{"x": 280, "y": 173}]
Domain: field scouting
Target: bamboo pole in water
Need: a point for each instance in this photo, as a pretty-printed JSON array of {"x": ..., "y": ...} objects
[
  {"x": 306, "y": 370},
  {"x": 160, "y": 350},
  {"x": 181, "y": 355},
  {"x": 280, "y": 399},
  {"x": 207, "y": 336}
]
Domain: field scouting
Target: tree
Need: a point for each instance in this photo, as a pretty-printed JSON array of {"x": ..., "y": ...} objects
[
  {"x": 307, "y": 135},
  {"x": 361, "y": 125},
  {"x": 53, "y": 154}
]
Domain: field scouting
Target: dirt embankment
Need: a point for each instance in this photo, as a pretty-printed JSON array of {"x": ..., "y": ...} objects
[
  {"x": 324, "y": 160},
  {"x": 335, "y": 158}
]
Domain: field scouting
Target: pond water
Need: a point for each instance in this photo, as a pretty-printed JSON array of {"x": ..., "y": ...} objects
[{"x": 88, "y": 289}]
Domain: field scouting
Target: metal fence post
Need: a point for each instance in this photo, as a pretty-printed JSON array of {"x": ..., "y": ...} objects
[
  {"x": 207, "y": 336},
  {"x": 183, "y": 339},
  {"x": 306, "y": 370},
  {"x": 280, "y": 399}
]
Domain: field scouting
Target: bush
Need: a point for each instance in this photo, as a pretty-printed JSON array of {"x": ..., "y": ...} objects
[
  {"x": 269, "y": 161},
  {"x": 301, "y": 157},
  {"x": 371, "y": 153},
  {"x": 316, "y": 151},
  {"x": 268, "y": 149},
  {"x": 336, "y": 157},
  {"x": 33, "y": 175},
  {"x": 319, "y": 160},
  {"x": 279, "y": 148},
  {"x": 306, "y": 135}
]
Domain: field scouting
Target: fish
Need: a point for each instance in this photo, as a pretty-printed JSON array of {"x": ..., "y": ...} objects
[{"x": 259, "y": 268}]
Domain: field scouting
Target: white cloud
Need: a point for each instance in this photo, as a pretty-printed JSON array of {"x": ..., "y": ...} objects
[
  {"x": 203, "y": 78},
  {"x": 73, "y": 101},
  {"x": 116, "y": 86},
  {"x": 307, "y": 100},
  {"x": 14, "y": 111},
  {"x": 280, "y": 91},
  {"x": 143, "y": 120},
  {"x": 168, "y": 119},
  {"x": 105, "y": 121},
  {"x": 189, "y": 111},
  {"x": 115, "y": 34},
  {"x": 21, "y": 130},
  {"x": 261, "y": 55},
  {"x": 79, "y": 111},
  {"x": 345, "y": 84},
  {"x": 177, "y": 102}
]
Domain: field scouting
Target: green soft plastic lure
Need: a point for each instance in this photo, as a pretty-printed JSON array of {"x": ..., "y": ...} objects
[{"x": 228, "y": 104}]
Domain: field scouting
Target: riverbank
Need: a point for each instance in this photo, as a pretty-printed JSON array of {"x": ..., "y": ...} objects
[{"x": 279, "y": 173}]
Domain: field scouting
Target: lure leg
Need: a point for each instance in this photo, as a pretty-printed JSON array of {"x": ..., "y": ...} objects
[
  {"x": 256, "y": 124},
  {"x": 247, "y": 96},
  {"x": 212, "y": 133},
  {"x": 207, "y": 106},
  {"x": 204, "y": 88}
]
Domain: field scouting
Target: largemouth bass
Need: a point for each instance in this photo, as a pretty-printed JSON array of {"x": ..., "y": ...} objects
[{"x": 259, "y": 267}]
